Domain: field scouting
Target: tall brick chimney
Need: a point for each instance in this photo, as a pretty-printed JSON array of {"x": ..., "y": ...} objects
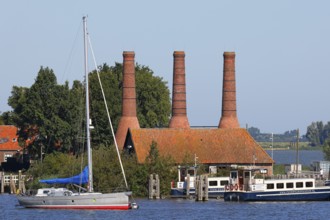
[
  {"x": 179, "y": 106},
  {"x": 129, "y": 117},
  {"x": 229, "y": 115}
]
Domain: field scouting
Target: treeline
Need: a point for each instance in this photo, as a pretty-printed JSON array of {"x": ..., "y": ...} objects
[
  {"x": 317, "y": 135},
  {"x": 288, "y": 136},
  {"x": 50, "y": 116}
]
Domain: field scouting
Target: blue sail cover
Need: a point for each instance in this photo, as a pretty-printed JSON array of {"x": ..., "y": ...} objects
[{"x": 78, "y": 179}]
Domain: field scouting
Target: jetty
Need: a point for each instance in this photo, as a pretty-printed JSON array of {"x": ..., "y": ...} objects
[{"x": 11, "y": 183}]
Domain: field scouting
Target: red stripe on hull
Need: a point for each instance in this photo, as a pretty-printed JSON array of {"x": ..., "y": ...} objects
[{"x": 82, "y": 207}]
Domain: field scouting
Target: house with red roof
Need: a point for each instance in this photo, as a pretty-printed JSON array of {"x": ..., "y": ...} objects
[{"x": 8, "y": 142}]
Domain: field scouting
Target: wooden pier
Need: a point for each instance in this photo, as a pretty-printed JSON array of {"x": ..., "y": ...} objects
[{"x": 12, "y": 183}]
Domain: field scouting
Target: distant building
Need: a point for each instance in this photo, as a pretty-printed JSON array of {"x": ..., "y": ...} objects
[
  {"x": 225, "y": 146},
  {"x": 8, "y": 142},
  {"x": 292, "y": 169}
]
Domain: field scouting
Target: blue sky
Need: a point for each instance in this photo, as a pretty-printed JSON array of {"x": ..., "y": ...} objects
[{"x": 282, "y": 51}]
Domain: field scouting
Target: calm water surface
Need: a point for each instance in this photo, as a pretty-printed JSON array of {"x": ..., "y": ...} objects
[
  {"x": 306, "y": 157},
  {"x": 176, "y": 209}
]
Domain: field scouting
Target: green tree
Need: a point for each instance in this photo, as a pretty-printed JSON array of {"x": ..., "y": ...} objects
[
  {"x": 326, "y": 149},
  {"x": 52, "y": 115},
  {"x": 161, "y": 165},
  {"x": 153, "y": 99},
  {"x": 111, "y": 78},
  {"x": 317, "y": 133},
  {"x": 42, "y": 113},
  {"x": 6, "y": 118}
]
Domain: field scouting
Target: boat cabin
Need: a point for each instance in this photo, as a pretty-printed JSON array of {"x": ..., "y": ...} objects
[
  {"x": 54, "y": 192},
  {"x": 255, "y": 180}
]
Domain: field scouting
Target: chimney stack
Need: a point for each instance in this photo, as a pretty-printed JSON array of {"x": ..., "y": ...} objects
[
  {"x": 229, "y": 114},
  {"x": 129, "y": 115},
  {"x": 179, "y": 106}
]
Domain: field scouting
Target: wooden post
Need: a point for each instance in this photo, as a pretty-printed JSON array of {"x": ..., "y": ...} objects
[
  {"x": 2, "y": 177},
  {"x": 188, "y": 185},
  {"x": 206, "y": 188},
  {"x": 198, "y": 189},
  {"x": 154, "y": 189},
  {"x": 21, "y": 184},
  {"x": 151, "y": 186},
  {"x": 157, "y": 189},
  {"x": 202, "y": 188},
  {"x": 12, "y": 185}
]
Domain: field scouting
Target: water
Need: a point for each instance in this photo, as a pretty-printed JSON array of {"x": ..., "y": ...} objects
[
  {"x": 176, "y": 209},
  {"x": 306, "y": 157}
]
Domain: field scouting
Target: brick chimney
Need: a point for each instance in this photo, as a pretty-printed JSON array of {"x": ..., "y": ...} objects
[
  {"x": 129, "y": 117},
  {"x": 229, "y": 114},
  {"x": 179, "y": 106}
]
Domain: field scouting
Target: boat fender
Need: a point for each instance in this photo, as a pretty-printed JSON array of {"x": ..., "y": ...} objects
[
  {"x": 231, "y": 187},
  {"x": 241, "y": 187},
  {"x": 227, "y": 187},
  {"x": 236, "y": 187}
]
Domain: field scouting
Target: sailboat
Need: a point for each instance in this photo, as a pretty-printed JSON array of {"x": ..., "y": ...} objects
[{"x": 62, "y": 198}]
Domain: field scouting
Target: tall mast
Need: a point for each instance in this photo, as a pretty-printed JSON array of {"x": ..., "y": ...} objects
[{"x": 89, "y": 151}]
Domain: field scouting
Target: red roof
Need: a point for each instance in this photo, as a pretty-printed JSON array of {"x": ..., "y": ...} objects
[
  {"x": 9, "y": 138},
  {"x": 211, "y": 146}
]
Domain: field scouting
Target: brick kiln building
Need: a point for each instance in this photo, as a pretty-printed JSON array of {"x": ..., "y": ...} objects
[{"x": 224, "y": 146}]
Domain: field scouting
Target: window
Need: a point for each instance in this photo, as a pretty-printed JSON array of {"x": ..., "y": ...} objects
[
  {"x": 3, "y": 140},
  {"x": 213, "y": 183},
  {"x": 279, "y": 185},
  {"x": 6, "y": 155},
  {"x": 309, "y": 184},
  {"x": 191, "y": 172},
  {"x": 224, "y": 182},
  {"x": 270, "y": 186},
  {"x": 299, "y": 185},
  {"x": 289, "y": 185}
]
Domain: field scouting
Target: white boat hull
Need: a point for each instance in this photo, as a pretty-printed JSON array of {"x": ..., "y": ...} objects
[{"x": 115, "y": 201}]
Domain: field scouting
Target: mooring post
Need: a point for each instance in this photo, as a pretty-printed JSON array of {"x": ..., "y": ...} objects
[
  {"x": 12, "y": 185},
  {"x": 198, "y": 188},
  {"x": 2, "y": 177},
  {"x": 157, "y": 189},
  {"x": 151, "y": 186},
  {"x": 188, "y": 185},
  {"x": 205, "y": 188},
  {"x": 154, "y": 189},
  {"x": 202, "y": 188},
  {"x": 21, "y": 184}
]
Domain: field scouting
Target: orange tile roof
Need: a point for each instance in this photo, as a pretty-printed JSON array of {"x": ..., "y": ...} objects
[
  {"x": 9, "y": 138},
  {"x": 211, "y": 146}
]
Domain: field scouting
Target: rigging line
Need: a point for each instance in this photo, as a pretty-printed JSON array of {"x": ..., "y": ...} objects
[
  {"x": 106, "y": 107},
  {"x": 74, "y": 46}
]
